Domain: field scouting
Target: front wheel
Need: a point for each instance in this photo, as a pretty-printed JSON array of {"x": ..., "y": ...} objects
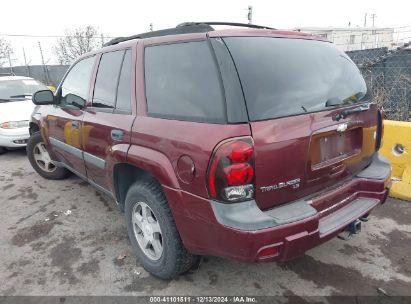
[
  {"x": 2, "y": 150},
  {"x": 153, "y": 233},
  {"x": 40, "y": 159}
]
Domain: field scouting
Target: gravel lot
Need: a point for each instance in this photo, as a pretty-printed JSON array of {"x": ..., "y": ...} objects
[{"x": 47, "y": 250}]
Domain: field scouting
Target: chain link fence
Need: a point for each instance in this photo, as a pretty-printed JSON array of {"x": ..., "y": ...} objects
[
  {"x": 388, "y": 76},
  {"x": 49, "y": 74}
]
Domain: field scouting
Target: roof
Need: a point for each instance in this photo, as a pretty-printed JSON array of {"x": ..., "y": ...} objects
[{"x": 4, "y": 78}]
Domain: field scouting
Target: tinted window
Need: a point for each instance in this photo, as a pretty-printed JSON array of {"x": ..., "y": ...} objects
[
  {"x": 106, "y": 81},
  {"x": 282, "y": 77},
  {"x": 75, "y": 86},
  {"x": 124, "y": 90},
  {"x": 182, "y": 82}
]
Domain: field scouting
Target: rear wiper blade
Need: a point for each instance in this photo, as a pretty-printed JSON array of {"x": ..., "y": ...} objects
[
  {"x": 21, "y": 96},
  {"x": 344, "y": 114}
]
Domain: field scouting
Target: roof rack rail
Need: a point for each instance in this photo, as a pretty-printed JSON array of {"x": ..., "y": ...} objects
[
  {"x": 226, "y": 23},
  {"x": 184, "y": 28},
  {"x": 197, "y": 28}
]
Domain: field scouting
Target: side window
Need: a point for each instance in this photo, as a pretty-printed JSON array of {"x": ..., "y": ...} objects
[
  {"x": 74, "y": 88},
  {"x": 182, "y": 82},
  {"x": 124, "y": 84},
  {"x": 106, "y": 81}
]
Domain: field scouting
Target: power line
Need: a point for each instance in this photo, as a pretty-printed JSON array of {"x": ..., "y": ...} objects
[{"x": 48, "y": 36}]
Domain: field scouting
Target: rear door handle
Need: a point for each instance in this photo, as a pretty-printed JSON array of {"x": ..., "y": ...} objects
[{"x": 117, "y": 135}]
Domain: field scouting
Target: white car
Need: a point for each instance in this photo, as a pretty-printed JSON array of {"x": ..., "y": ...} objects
[{"x": 16, "y": 108}]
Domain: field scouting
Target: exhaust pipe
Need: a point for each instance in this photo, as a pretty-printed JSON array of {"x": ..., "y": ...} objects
[{"x": 353, "y": 228}]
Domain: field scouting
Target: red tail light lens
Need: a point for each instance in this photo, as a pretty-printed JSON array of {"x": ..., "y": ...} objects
[
  {"x": 239, "y": 174},
  {"x": 231, "y": 171}
]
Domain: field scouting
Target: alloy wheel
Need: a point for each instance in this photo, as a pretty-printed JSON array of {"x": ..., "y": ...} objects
[{"x": 147, "y": 231}]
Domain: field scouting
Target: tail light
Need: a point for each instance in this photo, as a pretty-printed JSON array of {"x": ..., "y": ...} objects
[
  {"x": 380, "y": 129},
  {"x": 231, "y": 171}
]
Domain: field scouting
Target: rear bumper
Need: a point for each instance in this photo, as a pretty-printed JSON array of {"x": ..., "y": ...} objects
[
  {"x": 241, "y": 231},
  {"x": 14, "y": 138}
]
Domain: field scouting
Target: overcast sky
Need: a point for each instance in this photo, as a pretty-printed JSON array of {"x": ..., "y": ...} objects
[{"x": 128, "y": 17}]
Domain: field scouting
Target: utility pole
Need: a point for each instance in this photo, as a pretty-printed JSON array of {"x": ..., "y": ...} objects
[
  {"x": 373, "y": 16},
  {"x": 46, "y": 72},
  {"x": 250, "y": 14},
  {"x": 25, "y": 63},
  {"x": 151, "y": 27},
  {"x": 102, "y": 40},
  {"x": 365, "y": 20},
  {"x": 10, "y": 63}
]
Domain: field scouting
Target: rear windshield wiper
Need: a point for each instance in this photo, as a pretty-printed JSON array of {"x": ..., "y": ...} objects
[
  {"x": 335, "y": 101},
  {"x": 344, "y": 114}
]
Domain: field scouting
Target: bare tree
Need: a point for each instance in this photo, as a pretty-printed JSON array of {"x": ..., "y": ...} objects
[
  {"x": 5, "y": 51},
  {"x": 75, "y": 43}
]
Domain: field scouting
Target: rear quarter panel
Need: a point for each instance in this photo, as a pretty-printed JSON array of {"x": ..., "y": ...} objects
[{"x": 173, "y": 139}]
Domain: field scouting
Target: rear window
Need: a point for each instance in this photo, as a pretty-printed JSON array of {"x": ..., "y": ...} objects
[
  {"x": 107, "y": 79},
  {"x": 282, "y": 77},
  {"x": 183, "y": 83}
]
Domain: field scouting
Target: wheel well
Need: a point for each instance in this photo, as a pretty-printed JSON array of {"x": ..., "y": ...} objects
[
  {"x": 33, "y": 128},
  {"x": 124, "y": 176}
]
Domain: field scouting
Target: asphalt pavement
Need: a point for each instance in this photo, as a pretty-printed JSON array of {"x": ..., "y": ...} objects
[{"x": 65, "y": 238}]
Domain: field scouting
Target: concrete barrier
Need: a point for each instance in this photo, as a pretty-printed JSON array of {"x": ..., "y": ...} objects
[{"x": 397, "y": 148}]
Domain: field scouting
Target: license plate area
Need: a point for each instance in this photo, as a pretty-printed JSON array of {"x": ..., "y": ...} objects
[{"x": 332, "y": 147}]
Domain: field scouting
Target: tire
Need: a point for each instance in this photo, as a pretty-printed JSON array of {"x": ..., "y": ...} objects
[
  {"x": 174, "y": 258},
  {"x": 48, "y": 170},
  {"x": 2, "y": 150}
]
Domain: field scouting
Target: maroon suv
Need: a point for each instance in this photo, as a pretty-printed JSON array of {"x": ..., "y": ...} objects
[{"x": 252, "y": 144}]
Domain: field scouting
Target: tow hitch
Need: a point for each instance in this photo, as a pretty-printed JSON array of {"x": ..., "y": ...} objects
[{"x": 353, "y": 228}]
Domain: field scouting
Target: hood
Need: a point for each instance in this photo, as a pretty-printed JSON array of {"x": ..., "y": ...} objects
[{"x": 16, "y": 110}]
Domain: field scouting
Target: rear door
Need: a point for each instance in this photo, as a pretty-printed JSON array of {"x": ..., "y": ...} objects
[
  {"x": 108, "y": 118},
  {"x": 64, "y": 122},
  {"x": 295, "y": 89}
]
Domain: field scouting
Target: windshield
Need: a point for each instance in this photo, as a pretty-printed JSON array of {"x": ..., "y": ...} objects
[
  {"x": 14, "y": 90},
  {"x": 283, "y": 77}
]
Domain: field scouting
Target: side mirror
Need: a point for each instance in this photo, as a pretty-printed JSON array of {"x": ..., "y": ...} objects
[{"x": 44, "y": 97}]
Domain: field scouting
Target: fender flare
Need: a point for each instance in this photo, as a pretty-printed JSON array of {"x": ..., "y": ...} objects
[{"x": 155, "y": 163}]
